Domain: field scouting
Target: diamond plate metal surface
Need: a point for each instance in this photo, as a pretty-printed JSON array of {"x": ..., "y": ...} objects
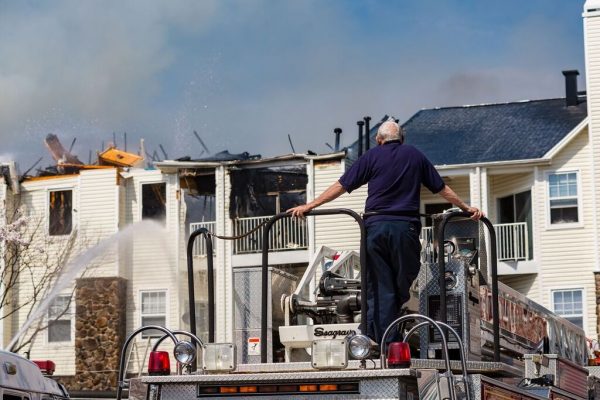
[
  {"x": 283, "y": 376},
  {"x": 490, "y": 368}
]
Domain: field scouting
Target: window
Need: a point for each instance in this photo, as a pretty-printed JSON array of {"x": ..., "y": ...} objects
[
  {"x": 61, "y": 212},
  {"x": 569, "y": 304},
  {"x": 512, "y": 209},
  {"x": 59, "y": 319},
  {"x": 8, "y": 396},
  {"x": 154, "y": 311},
  {"x": 154, "y": 201},
  {"x": 435, "y": 208},
  {"x": 563, "y": 198}
]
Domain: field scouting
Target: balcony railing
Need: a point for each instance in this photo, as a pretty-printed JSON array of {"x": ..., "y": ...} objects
[
  {"x": 199, "y": 244},
  {"x": 286, "y": 234},
  {"x": 512, "y": 240}
]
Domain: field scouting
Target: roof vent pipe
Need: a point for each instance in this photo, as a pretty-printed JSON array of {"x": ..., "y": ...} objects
[
  {"x": 338, "y": 132},
  {"x": 367, "y": 133},
  {"x": 571, "y": 87},
  {"x": 360, "y": 136}
]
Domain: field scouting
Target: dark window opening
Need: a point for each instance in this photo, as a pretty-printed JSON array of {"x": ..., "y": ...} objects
[
  {"x": 61, "y": 212},
  {"x": 436, "y": 208},
  {"x": 7, "y": 396},
  {"x": 517, "y": 208},
  {"x": 267, "y": 191},
  {"x": 199, "y": 196},
  {"x": 154, "y": 201}
]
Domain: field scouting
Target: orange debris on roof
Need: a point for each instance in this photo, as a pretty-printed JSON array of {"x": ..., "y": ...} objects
[{"x": 119, "y": 158}]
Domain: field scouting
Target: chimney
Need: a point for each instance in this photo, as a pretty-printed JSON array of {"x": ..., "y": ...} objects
[
  {"x": 571, "y": 87},
  {"x": 360, "y": 124},
  {"x": 367, "y": 133},
  {"x": 338, "y": 132}
]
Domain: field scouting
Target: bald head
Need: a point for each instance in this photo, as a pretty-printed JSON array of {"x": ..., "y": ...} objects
[{"x": 389, "y": 130}]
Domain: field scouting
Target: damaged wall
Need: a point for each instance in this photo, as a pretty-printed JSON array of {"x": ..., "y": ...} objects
[{"x": 266, "y": 191}]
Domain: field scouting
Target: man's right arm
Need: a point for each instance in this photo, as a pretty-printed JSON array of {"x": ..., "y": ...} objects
[
  {"x": 331, "y": 193},
  {"x": 450, "y": 196}
]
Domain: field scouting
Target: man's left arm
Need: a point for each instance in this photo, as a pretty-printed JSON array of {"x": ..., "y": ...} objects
[{"x": 451, "y": 196}]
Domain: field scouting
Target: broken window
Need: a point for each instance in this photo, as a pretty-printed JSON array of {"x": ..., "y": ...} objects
[
  {"x": 154, "y": 201},
  {"x": 267, "y": 191},
  {"x": 61, "y": 212}
]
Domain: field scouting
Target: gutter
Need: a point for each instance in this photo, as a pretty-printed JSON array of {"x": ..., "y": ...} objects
[
  {"x": 507, "y": 163},
  {"x": 169, "y": 164}
]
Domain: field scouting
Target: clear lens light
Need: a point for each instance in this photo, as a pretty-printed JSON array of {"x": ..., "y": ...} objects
[
  {"x": 185, "y": 352},
  {"x": 359, "y": 346}
]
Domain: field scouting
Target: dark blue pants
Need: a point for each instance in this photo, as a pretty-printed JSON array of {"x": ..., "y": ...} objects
[{"x": 393, "y": 256}]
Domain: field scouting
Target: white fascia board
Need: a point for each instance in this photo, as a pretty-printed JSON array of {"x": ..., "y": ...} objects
[
  {"x": 567, "y": 139},
  {"x": 462, "y": 167},
  {"x": 591, "y": 8}
]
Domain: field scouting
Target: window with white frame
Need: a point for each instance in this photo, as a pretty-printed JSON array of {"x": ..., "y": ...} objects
[
  {"x": 564, "y": 208},
  {"x": 153, "y": 311},
  {"x": 569, "y": 304},
  {"x": 59, "y": 319}
]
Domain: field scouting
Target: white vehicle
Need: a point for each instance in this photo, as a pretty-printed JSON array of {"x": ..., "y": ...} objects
[{"x": 22, "y": 379}]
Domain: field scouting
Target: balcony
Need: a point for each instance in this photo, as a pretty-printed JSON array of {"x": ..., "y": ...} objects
[
  {"x": 286, "y": 234},
  {"x": 200, "y": 244},
  {"x": 512, "y": 241}
]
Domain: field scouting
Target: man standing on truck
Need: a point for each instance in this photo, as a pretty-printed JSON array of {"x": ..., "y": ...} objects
[{"x": 395, "y": 173}]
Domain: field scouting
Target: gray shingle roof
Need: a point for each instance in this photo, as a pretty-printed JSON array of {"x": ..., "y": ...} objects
[{"x": 494, "y": 132}]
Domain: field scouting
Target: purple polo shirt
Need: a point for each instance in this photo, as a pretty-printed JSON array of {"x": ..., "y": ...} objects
[{"x": 395, "y": 172}]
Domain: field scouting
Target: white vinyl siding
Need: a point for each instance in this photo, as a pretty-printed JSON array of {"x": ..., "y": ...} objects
[
  {"x": 340, "y": 232},
  {"x": 567, "y": 254},
  {"x": 568, "y": 303},
  {"x": 34, "y": 200},
  {"x": 563, "y": 202}
]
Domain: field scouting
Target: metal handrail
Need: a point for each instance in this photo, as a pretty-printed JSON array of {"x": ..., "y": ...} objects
[
  {"x": 121, "y": 374},
  {"x": 210, "y": 276},
  {"x": 463, "y": 353},
  {"x": 265, "y": 270},
  {"x": 429, "y": 321}
]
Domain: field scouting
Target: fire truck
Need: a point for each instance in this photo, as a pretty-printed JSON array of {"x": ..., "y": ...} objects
[{"x": 465, "y": 335}]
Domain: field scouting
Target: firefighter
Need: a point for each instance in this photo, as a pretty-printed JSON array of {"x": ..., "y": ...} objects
[{"x": 395, "y": 173}]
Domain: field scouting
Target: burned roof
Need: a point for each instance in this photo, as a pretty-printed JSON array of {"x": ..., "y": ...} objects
[
  {"x": 119, "y": 158},
  {"x": 224, "y": 155},
  {"x": 521, "y": 130}
]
